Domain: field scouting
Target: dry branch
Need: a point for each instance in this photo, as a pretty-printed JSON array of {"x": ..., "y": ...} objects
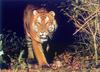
[{"x": 90, "y": 17}]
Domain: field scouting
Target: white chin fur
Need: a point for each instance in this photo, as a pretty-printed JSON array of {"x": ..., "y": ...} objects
[
  {"x": 43, "y": 40},
  {"x": 43, "y": 36}
]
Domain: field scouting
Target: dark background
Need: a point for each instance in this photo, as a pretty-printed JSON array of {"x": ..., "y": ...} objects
[{"x": 12, "y": 19}]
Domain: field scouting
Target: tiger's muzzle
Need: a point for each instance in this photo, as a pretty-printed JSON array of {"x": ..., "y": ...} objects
[{"x": 43, "y": 37}]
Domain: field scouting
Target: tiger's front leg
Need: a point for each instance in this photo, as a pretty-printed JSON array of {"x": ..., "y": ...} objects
[{"x": 38, "y": 51}]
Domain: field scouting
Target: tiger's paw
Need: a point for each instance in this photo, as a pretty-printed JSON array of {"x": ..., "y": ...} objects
[{"x": 44, "y": 65}]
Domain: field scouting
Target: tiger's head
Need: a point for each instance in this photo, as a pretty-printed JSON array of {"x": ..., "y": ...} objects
[{"x": 42, "y": 25}]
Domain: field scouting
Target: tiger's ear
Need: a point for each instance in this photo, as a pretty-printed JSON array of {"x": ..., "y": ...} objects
[
  {"x": 35, "y": 12},
  {"x": 52, "y": 13}
]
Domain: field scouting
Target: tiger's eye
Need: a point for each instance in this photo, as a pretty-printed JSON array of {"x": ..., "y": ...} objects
[{"x": 37, "y": 23}]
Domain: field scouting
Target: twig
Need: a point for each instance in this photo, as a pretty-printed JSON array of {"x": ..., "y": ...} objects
[{"x": 87, "y": 20}]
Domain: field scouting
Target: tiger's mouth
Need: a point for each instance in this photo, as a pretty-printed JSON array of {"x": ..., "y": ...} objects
[{"x": 43, "y": 39}]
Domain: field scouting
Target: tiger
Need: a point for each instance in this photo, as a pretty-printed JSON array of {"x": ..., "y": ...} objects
[{"x": 39, "y": 25}]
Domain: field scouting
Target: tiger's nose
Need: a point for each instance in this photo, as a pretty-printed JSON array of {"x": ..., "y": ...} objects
[{"x": 43, "y": 34}]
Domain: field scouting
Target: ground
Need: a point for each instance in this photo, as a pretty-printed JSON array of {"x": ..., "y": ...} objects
[{"x": 66, "y": 62}]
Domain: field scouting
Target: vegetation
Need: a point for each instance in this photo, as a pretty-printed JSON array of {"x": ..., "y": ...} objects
[{"x": 85, "y": 14}]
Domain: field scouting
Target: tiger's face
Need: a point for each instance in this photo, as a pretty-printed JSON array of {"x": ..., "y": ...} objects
[{"x": 42, "y": 25}]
